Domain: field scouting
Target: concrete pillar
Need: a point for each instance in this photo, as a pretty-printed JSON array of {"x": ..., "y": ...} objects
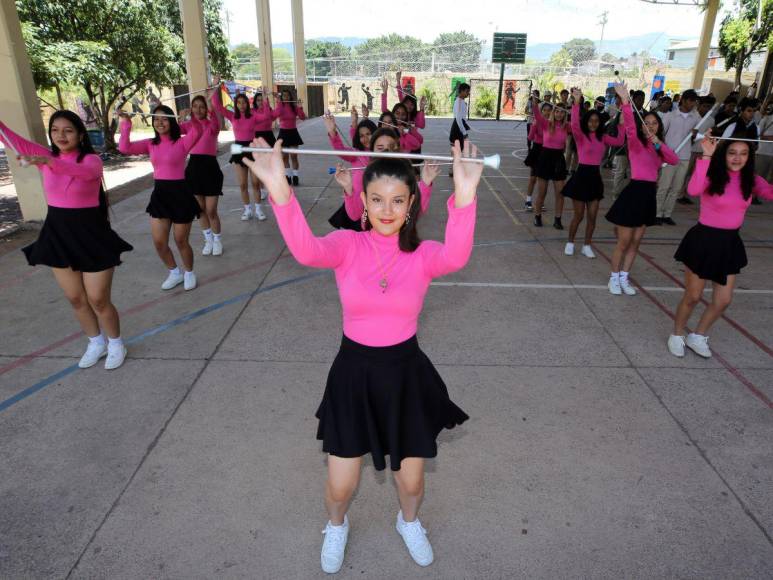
[
  {"x": 19, "y": 110},
  {"x": 709, "y": 19},
  {"x": 195, "y": 38},
  {"x": 265, "y": 46},
  {"x": 299, "y": 53}
]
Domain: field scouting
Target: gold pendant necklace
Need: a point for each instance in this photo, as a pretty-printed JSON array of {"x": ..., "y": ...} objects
[{"x": 383, "y": 282}]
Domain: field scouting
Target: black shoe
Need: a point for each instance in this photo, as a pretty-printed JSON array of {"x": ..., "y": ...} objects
[
  {"x": 529, "y": 206},
  {"x": 295, "y": 180},
  {"x": 289, "y": 181},
  {"x": 537, "y": 221},
  {"x": 557, "y": 223},
  {"x": 685, "y": 201},
  {"x": 669, "y": 221},
  {"x": 658, "y": 221},
  {"x": 756, "y": 201}
]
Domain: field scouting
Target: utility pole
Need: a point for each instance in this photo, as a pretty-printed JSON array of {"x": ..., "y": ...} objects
[
  {"x": 603, "y": 21},
  {"x": 227, "y": 17}
]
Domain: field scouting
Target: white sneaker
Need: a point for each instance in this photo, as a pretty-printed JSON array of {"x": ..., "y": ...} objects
[
  {"x": 676, "y": 345},
  {"x": 115, "y": 357},
  {"x": 94, "y": 352},
  {"x": 626, "y": 286},
  {"x": 587, "y": 251},
  {"x": 172, "y": 280},
  {"x": 217, "y": 247},
  {"x": 699, "y": 344},
  {"x": 415, "y": 538},
  {"x": 247, "y": 214},
  {"x": 190, "y": 280},
  {"x": 207, "y": 248},
  {"x": 614, "y": 286},
  {"x": 569, "y": 249},
  {"x": 334, "y": 546},
  {"x": 259, "y": 213}
]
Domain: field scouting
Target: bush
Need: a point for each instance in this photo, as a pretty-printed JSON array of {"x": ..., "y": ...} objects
[
  {"x": 432, "y": 101},
  {"x": 485, "y": 104}
]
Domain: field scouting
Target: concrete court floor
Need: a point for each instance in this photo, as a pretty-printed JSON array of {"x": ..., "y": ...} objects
[{"x": 590, "y": 453}]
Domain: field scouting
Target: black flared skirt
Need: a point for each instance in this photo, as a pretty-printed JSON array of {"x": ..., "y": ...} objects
[
  {"x": 636, "y": 205},
  {"x": 384, "y": 401},
  {"x": 268, "y": 136},
  {"x": 341, "y": 220},
  {"x": 585, "y": 184},
  {"x": 290, "y": 138},
  {"x": 533, "y": 156},
  {"x": 712, "y": 253},
  {"x": 77, "y": 238},
  {"x": 237, "y": 157},
  {"x": 203, "y": 175},
  {"x": 551, "y": 165},
  {"x": 172, "y": 200}
]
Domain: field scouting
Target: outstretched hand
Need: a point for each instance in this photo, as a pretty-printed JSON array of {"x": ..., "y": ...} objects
[
  {"x": 466, "y": 174},
  {"x": 429, "y": 172},
  {"x": 270, "y": 169},
  {"x": 622, "y": 91},
  {"x": 709, "y": 144},
  {"x": 330, "y": 124},
  {"x": 343, "y": 177}
]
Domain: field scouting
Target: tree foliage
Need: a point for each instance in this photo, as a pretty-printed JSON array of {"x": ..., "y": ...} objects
[
  {"x": 561, "y": 59},
  {"x": 457, "y": 51},
  {"x": 580, "y": 49},
  {"x": 739, "y": 36},
  {"x": 320, "y": 52},
  {"x": 400, "y": 50}
]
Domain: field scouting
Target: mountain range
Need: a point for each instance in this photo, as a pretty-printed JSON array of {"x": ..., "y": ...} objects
[{"x": 655, "y": 43}]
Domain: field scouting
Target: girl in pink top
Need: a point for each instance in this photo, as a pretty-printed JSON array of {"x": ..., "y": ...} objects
[
  {"x": 244, "y": 121},
  {"x": 635, "y": 207},
  {"x": 383, "y": 396},
  {"x": 551, "y": 165},
  {"x": 288, "y": 109},
  {"x": 585, "y": 188},
  {"x": 532, "y": 157},
  {"x": 172, "y": 205},
  {"x": 724, "y": 179},
  {"x": 76, "y": 240},
  {"x": 203, "y": 174}
]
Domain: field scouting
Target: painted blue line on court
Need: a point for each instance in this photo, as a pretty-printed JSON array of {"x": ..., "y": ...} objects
[{"x": 154, "y": 331}]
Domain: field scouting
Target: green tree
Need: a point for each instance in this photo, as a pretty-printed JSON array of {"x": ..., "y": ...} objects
[
  {"x": 458, "y": 51},
  {"x": 485, "y": 103},
  {"x": 320, "y": 52},
  {"x": 580, "y": 49},
  {"x": 561, "y": 59},
  {"x": 246, "y": 58},
  {"x": 130, "y": 38},
  {"x": 739, "y": 35},
  {"x": 402, "y": 51},
  {"x": 609, "y": 57},
  {"x": 283, "y": 61},
  {"x": 220, "y": 61}
]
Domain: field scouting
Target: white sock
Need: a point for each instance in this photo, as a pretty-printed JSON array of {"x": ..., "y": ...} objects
[
  {"x": 623, "y": 276},
  {"x": 216, "y": 236},
  {"x": 288, "y": 172},
  {"x": 175, "y": 270},
  {"x": 263, "y": 194},
  {"x": 98, "y": 339},
  {"x": 528, "y": 198},
  {"x": 296, "y": 172},
  {"x": 257, "y": 206},
  {"x": 114, "y": 342},
  {"x": 615, "y": 276},
  {"x": 247, "y": 207},
  {"x": 188, "y": 274},
  {"x": 207, "y": 234}
]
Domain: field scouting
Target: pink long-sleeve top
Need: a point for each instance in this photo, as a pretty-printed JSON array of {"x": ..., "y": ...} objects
[
  {"x": 168, "y": 157},
  {"x": 591, "y": 149},
  {"x": 287, "y": 115},
  {"x": 207, "y": 143},
  {"x": 370, "y": 316},
  {"x": 535, "y": 133},
  {"x": 409, "y": 141},
  {"x": 724, "y": 211},
  {"x": 555, "y": 139},
  {"x": 67, "y": 183},
  {"x": 264, "y": 117},
  {"x": 645, "y": 159},
  {"x": 244, "y": 127}
]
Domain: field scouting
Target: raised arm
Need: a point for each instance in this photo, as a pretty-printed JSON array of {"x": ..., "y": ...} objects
[
  {"x": 762, "y": 188},
  {"x": 22, "y": 145},
  {"x": 217, "y": 105},
  {"x": 299, "y": 112},
  {"x": 126, "y": 145},
  {"x": 195, "y": 131},
  {"x": 668, "y": 154},
  {"x": 575, "y": 122},
  {"x": 699, "y": 181},
  {"x": 539, "y": 118},
  {"x": 630, "y": 126}
]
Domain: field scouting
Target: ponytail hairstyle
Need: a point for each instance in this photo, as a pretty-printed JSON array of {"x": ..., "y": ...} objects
[
  {"x": 719, "y": 176},
  {"x": 364, "y": 124},
  {"x": 237, "y": 112},
  {"x": 401, "y": 170},
  {"x": 84, "y": 148},
  {"x": 174, "y": 127}
]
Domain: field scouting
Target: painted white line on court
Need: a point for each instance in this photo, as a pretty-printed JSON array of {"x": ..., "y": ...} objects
[{"x": 577, "y": 287}]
